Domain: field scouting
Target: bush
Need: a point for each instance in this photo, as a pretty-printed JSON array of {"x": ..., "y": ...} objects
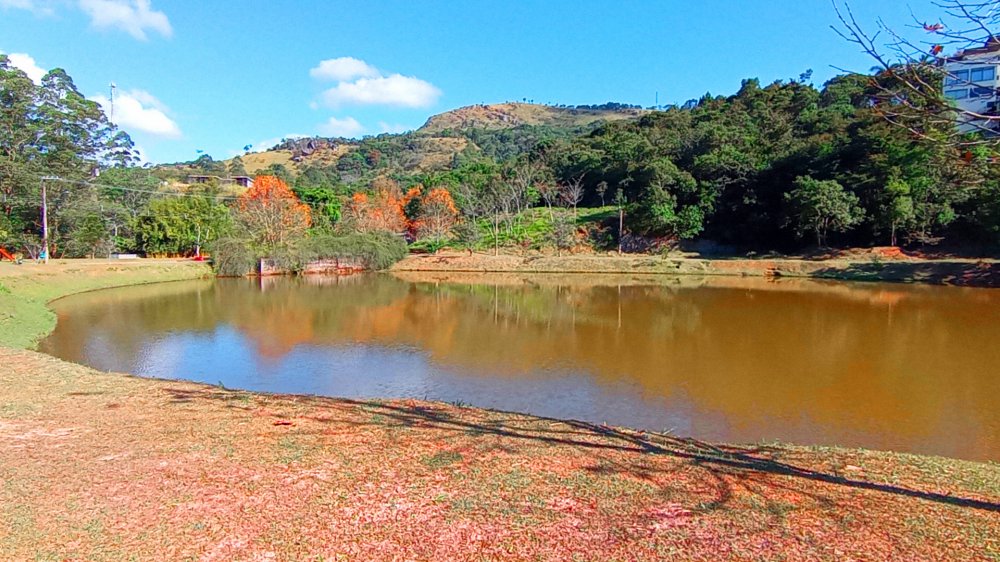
[
  {"x": 377, "y": 250},
  {"x": 232, "y": 257}
]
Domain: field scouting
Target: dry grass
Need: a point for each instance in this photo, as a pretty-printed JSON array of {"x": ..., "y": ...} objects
[
  {"x": 100, "y": 466},
  {"x": 508, "y": 115}
]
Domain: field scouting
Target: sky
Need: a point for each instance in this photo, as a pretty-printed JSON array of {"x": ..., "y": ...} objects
[{"x": 216, "y": 76}]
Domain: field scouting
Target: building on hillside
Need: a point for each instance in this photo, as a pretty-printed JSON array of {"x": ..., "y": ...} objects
[
  {"x": 242, "y": 181},
  {"x": 971, "y": 81},
  {"x": 193, "y": 179}
]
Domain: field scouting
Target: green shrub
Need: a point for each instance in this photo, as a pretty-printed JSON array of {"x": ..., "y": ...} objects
[
  {"x": 377, "y": 250},
  {"x": 232, "y": 257}
]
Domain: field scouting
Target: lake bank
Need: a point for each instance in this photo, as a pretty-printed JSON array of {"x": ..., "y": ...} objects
[
  {"x": 957, "y": 271},
  {"x": 103, "y": 466},
  {"x": 26, "y": 289}
]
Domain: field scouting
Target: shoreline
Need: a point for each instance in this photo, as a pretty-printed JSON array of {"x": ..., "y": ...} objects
[
  {"x": 958, "y": 272},
  {"x": 104, "y": 465},
  {"x": 27, "y": 289}
]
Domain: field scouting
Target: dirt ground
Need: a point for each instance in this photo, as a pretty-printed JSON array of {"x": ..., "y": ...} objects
[
  {"x": 99, "y": 466},
  {"x": 867, "y": 265}
]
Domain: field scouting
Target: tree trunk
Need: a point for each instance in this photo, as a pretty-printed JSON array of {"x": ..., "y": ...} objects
[
  {"x": 621, "y": 221},
  {"x": 496, "y": 235}
]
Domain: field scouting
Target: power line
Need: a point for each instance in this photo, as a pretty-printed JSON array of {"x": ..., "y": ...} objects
[{"x": 137, "y": 190}]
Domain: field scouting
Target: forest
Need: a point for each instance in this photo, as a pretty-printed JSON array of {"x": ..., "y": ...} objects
[{"x": 785, "y": 167}]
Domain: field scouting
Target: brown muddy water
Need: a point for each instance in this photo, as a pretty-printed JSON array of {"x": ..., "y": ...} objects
[{"x": 904, "y": 368}]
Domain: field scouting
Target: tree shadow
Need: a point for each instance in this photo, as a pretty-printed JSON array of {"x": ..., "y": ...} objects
[
  {"x": 742, "y": 462},
  {"x": 965, "y": 274}
]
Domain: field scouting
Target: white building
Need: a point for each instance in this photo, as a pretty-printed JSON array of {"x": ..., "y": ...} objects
[{"x": 971, "y": 81}]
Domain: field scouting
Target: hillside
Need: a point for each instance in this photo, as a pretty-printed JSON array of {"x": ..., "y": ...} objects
[
  {"x": 432, "y": 147},
  {"x": 510, "y": 115}
]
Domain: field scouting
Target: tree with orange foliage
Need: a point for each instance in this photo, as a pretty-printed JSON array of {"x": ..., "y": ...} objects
[
  {"x": 271, "y": 214},
  {"x": 438, "y": 214},
  {"x": 380, "y": 211}
]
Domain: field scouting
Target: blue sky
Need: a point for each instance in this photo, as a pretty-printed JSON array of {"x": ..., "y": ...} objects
[{"x": 217, "y": 75}]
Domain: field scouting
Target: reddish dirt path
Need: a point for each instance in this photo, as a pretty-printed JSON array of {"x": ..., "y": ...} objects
[{"x": 100, "y": 466}]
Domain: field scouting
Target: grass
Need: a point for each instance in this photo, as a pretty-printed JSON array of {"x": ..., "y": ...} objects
[{"x": 28, "y": 288}]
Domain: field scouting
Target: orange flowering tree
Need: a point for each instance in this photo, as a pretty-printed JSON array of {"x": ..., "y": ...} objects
[
  {"x": 271, "y": 214},
  {"x": 380, "y": 211},
  {"x": 438, "y": 215}
]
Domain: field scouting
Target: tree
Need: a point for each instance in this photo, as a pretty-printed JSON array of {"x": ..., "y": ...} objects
[
  {"x": 822, "y": 206},
  {"x": 563, "y": 234},
  {"x": 602, "y": 188},
  {"x": 271, "y": 216},
  {"x": 437, "y": 215},
  {"x": 51, "y": 129},
  {"x": 236, "y": 167},
  {"x": 620, "y": 202},
  {"x": 572, "y": 192},
  {"x": 378, "y": 211},
  {"x": 90, "y": 238},
  {"x": 279, "y": 171},
  {"x": 910, "y": 71},
  {"x": 180, "y": 225},
  {"x": 900, "y": 210}
]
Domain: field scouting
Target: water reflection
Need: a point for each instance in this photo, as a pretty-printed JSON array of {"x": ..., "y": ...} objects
[{"x": 728, "y": 359}]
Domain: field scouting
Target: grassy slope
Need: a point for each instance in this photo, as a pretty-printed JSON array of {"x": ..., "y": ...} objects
[
  {"x": 100, "y": 466},
  {"x": 506, "y": 115},
  {"x": 26, "y": 289}
]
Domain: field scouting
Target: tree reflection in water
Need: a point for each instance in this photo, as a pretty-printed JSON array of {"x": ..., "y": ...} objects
[{"x": 908, "y": 368}]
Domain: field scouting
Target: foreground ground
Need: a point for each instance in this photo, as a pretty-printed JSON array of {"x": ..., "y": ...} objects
[{"x": 100, "y": 466}]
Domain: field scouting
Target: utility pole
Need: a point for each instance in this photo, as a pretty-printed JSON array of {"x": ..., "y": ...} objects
[
  {"x": 111, "y": 117},
  {"x": 45, "y": 218}
]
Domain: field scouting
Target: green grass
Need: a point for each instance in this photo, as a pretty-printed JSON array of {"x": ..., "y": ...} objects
[
  {"x": 442, "y": 459},
  {"x": 533, "y": 228}
]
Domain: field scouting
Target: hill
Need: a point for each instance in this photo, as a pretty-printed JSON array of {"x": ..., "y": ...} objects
[
  {"x": 511, "y": 115},
  {"x": 499, "y": 130}
]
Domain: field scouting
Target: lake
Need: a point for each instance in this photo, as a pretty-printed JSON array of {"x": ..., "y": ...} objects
[{"x": 881, "y": 366}]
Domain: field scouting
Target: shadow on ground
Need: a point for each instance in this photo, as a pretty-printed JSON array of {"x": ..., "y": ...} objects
[
  {"x": 965, "y": 274},
  {"x": 747, "y": 463}
]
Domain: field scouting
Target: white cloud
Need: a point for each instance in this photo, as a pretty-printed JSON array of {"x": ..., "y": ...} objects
[
  {"x": 348, "y": 127},
  {"x": 343, "y": 69},
  {"x": 359, "y": 83},
  {"x": 131, "y": 16},
  {"x": 27, "y": 64},
  {"x": 138, "y": 110},
  {"x": 396, "y": 89},
  {"x": 39, "y": 8},
  {"x": 392, "y": 128}
]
